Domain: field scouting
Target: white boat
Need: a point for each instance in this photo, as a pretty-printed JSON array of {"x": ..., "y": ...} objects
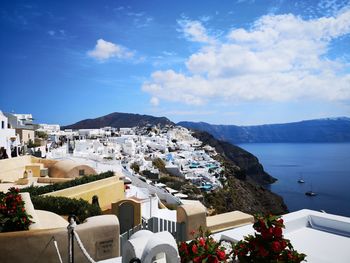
[
  {"x": 301, "y": 180},
  {"x": 310, "y": 193}
]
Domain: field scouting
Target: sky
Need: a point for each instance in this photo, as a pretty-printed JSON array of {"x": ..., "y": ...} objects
[{"x": 241, "y": 62}]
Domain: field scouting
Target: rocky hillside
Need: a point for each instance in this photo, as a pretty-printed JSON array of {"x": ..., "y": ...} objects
[
  {"x": 249, "y": 167},
  {"x": 321, "y": 130},
  {"x": 119, "y": 120},
  {"x": 242, "y": 191},
  {"x": 246, "y": 197}
]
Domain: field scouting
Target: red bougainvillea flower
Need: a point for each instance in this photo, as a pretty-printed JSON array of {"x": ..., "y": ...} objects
[
  {"x": 195, "y": 249},
  {"x": 276, "y": 246},
  {"x": 267, "y": 234},
  {"x": 204, "y": 248},
  {"x": 12, "y": 212},
  {"x": 277, "y": 232},
  {"x": 221, "y": 254},
  {"x": 213, "y": 259},
  {"x": 283, "y": 244},
  {"x": 263, "y": 252},
  {"x": 268, "y": 244},
  {"x": 202, "y": 241},
  {"x": 183, "y": 247}
]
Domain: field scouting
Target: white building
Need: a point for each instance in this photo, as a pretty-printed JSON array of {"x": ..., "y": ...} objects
[
  {"x": 8, "y": 136},
  {"x": 126, "y": 131},
  {"x": 129, "y": 147},
  {"x": 49, "y": 128},
  {"x": 24, "y": 119}
]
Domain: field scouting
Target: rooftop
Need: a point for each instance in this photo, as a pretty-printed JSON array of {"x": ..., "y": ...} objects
[{"x": 322, "y": 237}]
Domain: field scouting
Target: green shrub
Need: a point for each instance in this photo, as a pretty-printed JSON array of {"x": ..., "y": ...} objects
[
  {"x": 159, "y": 164},
  {"x": 66, "y": 206},
  {"x": 135, "y": 167},
  {"x": 41, "y": 134},
  {"x": 40, "y": 190},
  {"x": 32, "y": 144}
]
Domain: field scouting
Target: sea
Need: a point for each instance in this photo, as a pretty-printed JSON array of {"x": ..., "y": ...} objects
[{"x": 325, "y": 168}]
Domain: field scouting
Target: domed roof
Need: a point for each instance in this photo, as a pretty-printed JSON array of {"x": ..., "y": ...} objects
[{"x": 69, "y": 168}]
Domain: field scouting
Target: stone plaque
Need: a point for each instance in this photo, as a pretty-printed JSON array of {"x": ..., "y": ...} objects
[{"x": 105, "y": 249}]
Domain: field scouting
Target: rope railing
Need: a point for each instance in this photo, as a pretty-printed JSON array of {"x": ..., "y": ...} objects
[
  {"x": 39, "y": 258},
  {"x": 82, "y": 248},
  {"x": 57, "y": 250},
  {"x": 71, "y": 235}
]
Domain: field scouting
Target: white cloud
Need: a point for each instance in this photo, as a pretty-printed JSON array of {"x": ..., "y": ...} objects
[
  {"x": 330, "y": 7},
  {"x": 281, "y": 58},
  {"x": 58, "y": 34},
  {"x": 105, "y": 50},
  {"x": 188, "y": 112},
  {"x": 194, "y": 31},
  {"x": 154, "y": 101}
]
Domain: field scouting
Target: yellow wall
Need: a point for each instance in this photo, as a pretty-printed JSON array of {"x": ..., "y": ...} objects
[
  {"x": 13, "y": 169},
  {"x": 34, "y": 168},
  {"x": 109, "y": 190}
]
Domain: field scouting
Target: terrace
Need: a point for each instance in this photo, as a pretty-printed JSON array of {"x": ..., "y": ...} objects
[{"x": 322, "y": 237}]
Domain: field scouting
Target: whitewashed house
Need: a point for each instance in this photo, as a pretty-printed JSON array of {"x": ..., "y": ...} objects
[
  {"x": 8, "y": 138},
  {"x": 129, "y": 147},
  {"x": 49, "y": 128}
]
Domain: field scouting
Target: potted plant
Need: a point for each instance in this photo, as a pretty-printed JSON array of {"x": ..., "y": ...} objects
[
  {"x": 13, "y": 216},
  {"x": 203, "y": 248},
  {"x": 267, "y": 244}
]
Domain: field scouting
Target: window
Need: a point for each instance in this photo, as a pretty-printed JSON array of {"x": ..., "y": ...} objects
[
  {"x": 2, "y": 125},
  {"x": 81, "y": 172}
]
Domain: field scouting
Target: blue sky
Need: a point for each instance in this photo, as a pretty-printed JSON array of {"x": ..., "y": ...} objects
[{"x": 229, "y": 62}]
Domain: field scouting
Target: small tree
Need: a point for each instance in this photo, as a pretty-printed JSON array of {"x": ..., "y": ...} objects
[
  {"x": 41, "y": 134},
  {"x": 159, "y": 164},
  {"x": 135, "y": 167}
]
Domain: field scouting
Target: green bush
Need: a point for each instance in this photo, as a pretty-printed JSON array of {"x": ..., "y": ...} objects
[
  {"x": 32, "y": 144},
  {"x": 66, "y": 206},
  {"x": 135, "y": 167},
  {"x": 40, "y": 190},
  {"x": 159, "y": 164},
  {"x": 41, "y": 134}
]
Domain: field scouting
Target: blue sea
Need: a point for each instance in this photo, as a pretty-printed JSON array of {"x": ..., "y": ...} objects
[{"x": 325, "y": 168}]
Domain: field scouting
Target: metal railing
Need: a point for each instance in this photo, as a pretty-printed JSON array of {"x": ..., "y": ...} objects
[{"x": 155, "y": 225}]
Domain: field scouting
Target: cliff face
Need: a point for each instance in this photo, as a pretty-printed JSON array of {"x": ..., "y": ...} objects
[
  {"x": 321, "y": 130},
  {"x": 242, "y": 191},
  {"x": 119, "y": 120},
  {"x": 246, "y": 197},
  {"x": 250, "y": 168}
]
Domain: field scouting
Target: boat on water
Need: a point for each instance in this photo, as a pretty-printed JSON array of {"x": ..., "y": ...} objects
[
  {"x": 310, "y": 193},
  {"x": 301, "y": 180}
]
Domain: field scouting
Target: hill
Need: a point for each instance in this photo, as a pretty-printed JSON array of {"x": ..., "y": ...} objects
[
  {"x": 244, "y": 173},
  {"x": 119, "y": 120},
  {"x": 319, "y": 130}
]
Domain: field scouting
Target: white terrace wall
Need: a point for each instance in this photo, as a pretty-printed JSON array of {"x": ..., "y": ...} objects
[{"x": 100, "y": 236}]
